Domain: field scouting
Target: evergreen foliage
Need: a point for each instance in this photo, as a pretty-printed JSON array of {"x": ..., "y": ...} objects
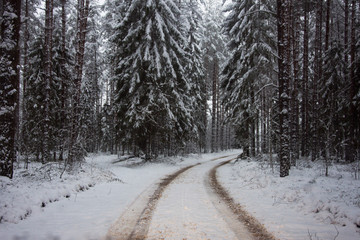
[
  {"x": 153, "y": 91},
  {"x": 156, "y": 77},
  {"x": 250, "y": 65}
]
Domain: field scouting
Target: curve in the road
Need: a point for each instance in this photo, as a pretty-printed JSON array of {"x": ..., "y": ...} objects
[
  {"x": 137, "y": 219},
  {"x": 230, "y": 208}
]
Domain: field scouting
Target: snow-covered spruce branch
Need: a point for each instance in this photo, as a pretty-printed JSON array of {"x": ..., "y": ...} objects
[{"x": 265, "y": 86}]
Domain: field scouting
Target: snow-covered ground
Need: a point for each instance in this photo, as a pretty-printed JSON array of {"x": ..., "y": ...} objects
[
  {"x": 186, "y": 209},
  {"x": 305, "y": 205},
  {"x": 38, "y": 205}
]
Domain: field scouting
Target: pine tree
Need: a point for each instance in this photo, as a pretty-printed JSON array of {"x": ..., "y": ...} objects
[
  {"x": 34, "y": 127},
  {"x": 10, "y": 12},
  {"x": 76, "y": 149}
]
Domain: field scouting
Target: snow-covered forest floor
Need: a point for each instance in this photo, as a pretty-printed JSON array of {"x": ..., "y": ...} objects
[
  {"x": 305, "y": 205},
  {"x": 38, "y": 205}
]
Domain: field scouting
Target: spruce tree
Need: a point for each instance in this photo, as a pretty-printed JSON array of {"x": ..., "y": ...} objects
[
  {"x": 153, "y": 93},
  {"x": 250, "y": 65},
  {"x": 196, "y": 72}
]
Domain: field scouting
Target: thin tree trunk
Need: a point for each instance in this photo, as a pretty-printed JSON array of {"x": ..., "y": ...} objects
[
  {"x": 222, "y": 142},
  {"x": 74, "y": 148},
  {"x": 283, "y": 78},
  {"x": 315, "y": 147},
  {"x": 305, "y": 108},
  {"x": 348, "y": 146},
  {"x": 218, "y": 112},
  {"x": 48, "y": 70},
  {"x": 295, "y": 36},
  {"x": 26, "y": 37},
  {"x": 264, "y": 128},
  {"x": 353, "y": 114},
  {"x": 26, "y": 40},
  {"x": 10, "y": 57},
  {"x": 63, "y": 87},
  {"x": 327, "y": 26},
  {"x": 257, "y": 124},
  {"x": 214, "y": 108},
  {"x": 252, "y": 124}
]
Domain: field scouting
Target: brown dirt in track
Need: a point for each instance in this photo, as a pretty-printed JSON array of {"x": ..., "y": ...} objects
[
  {"x": 257, "y": 230},
  {"x": 140, "y": 230},
  {"x": 138, "y": 221}
]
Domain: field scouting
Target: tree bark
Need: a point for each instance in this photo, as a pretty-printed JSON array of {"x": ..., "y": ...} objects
[
  {"x": 315, "y": 147},
  {"x": 252, "y": 124},
  {"x": 26, "y": 39},
  {"x": 82, "y": 16},
  {"x": 283, "y": 7},
  {"x": 327, "y": 26},
  {"x": 353, "y": 89},
  {"x": 214, "y": 108},
  {"x": 349, "y": 148},
  {"x": 48, "y": 70},
  {"x": 295, "y": 38},
  {"x": 10, "y": 71},
  {"x": 305, "y": 106},
  {"x": 63, "y": 87}
]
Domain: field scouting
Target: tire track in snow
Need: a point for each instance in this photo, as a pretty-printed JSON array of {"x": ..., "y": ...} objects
[
  {"x": 135, "y": 221},
  {"x": 241, "y": 222}
]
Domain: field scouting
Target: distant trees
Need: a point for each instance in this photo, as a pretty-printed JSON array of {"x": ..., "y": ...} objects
[
  {"x": 311, "y": 100},
  {"x": 215, "y": 53},
  {"x": 248, "y": 74},
  {"x": 51, "y": 118},
  {"x": 195, "y": 72},
  {"x": 144, "y": 90},
  {"x": 156, "y": 77}
]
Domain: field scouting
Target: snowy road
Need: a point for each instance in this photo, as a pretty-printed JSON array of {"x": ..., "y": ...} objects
[
  {"x": 186, "y": 210},
  {"x": 182, "y": 206}
]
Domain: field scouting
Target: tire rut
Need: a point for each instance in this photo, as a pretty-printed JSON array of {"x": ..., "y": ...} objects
[
  {"x": 135, "y": 221},
  {"x": 140, "y": 227},
  {"x": 253, "y": 226}
]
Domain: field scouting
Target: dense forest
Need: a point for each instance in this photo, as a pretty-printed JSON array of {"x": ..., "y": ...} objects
[{"x": 280, "y": 79}]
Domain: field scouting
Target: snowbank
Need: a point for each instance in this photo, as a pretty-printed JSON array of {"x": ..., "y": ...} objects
[
  {"x": 36, "y": 187},
  {"x": 305, "y": 205}
]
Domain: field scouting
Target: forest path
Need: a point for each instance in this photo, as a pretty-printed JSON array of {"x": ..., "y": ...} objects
[
  {"x": 190, "y": 209},
  {"x": 184, "y": 205}
]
